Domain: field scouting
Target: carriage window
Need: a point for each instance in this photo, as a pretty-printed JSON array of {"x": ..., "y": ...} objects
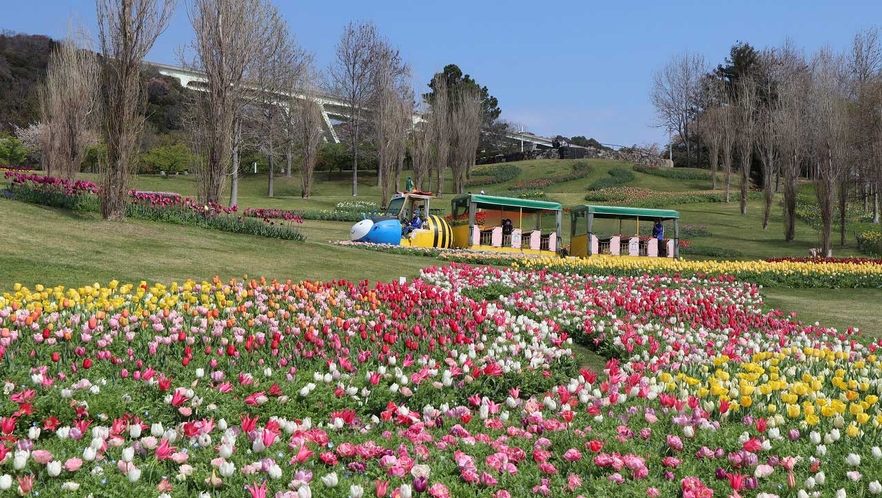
[{"x": 394, "y": 206}]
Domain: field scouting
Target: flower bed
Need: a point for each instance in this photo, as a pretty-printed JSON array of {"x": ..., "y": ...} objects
[
  {"x": 258, "y": 388},
  {"x": 870, "y": 242},
  {"x": 167, "y": 207},
  {"x": 772, "y": 274},
  {"x": 849, "y": 260},
  {"x": 580, "y": 170},
  {"x": 275, "y": 214},
  {"x": 646, "y": 198},
  {"x": 343, "y": 211}
]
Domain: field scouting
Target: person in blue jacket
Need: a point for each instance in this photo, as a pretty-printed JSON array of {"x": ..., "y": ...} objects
[{"x": 658, "y": 232}]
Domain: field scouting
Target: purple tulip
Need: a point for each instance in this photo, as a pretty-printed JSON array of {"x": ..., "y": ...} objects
[{"x": 420, "y": 484}]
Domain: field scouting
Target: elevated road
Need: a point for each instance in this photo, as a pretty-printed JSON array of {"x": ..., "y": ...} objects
[{"x": 333, "y": 108}]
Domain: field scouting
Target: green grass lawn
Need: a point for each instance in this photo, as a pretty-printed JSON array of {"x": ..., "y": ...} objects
[
  {"x": 840, "y": 308},
  {"x": 52, "y": 246}
]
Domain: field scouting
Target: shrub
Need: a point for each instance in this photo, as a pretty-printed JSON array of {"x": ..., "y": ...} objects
[
  {"x": 493, "y": 174},
  {"x": 617, "y": 178},
  {"x": 870, "y": 242},
  {"x": 674, "y": 173}
]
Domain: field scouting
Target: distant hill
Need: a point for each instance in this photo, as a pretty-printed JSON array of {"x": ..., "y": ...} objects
[{"x": 23, "y": 61}]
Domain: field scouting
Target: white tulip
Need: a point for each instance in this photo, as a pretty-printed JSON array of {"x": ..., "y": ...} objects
[
  {"x": 70, "y": 486},
  {"x": 304, "y": 491},
  {"x": 170, "y": 435},
  {"x": 134, "y": 475},
  {"x": 275, "y": 472},
  {"x": 156, "y": 430},
  {"x": 5, "y": 482},
  {"x": 841, "y": 493},
  {"x": 222, "y": 424},
  {"x": 53, "y": 468},
  {"x": 406, "y": 491},
  {"x": 34, "y": 433},
  {"x": 820, "y": 478},
  {"x": 877, "y": 453},
  {"x": 89, "y": 454},
  {"x": 853, "y": 460},
  {"x": 128, "y": 454},
  {"x": 355, "y": 491},
  {"x": 226, "y": 450},
  {"x": 226, "y": 469},
  {"x": 135, "y": 431},
  {"x": 330, "y": 480},
  {"x": 875, "y": 488}
]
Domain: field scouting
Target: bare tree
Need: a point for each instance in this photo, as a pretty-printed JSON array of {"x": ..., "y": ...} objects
[
  {"x": 828, "y": 120},
  {"x": 127, "y": 29},
  {"x": 421, "y": 148},
  {"x": 711, "y": 125},
  {"x": 728, "y": 121},
  {"x": 466, "y": 117},
  {"x": 277, "y": 73},
  {"x": 69, "y": 104},
  {"x": 390, "y": 115},
  {"x": 675, "y": 94},
  {"x": 746, "y": 98},
  {"x": 791, "y": 120},
  {"x": 766, "y": 138},
  {"x": 864, "y": 65},
  {"x": 226, "y": 48},
  {"x": 309, "y": 126},
  {"x": 439, "y": 132},
  {"x": 351, "y": 78}
]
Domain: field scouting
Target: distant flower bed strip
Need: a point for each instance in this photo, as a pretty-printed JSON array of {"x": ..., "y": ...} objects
[
  {"x": 646, "y": 198},
  {"x": 771, "y": 274}
]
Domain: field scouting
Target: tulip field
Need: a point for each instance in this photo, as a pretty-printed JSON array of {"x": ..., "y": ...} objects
[{"x": 462, "y": 382}]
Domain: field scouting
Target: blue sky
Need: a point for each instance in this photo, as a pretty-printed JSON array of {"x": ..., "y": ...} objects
[{"x": 569, "y": 68}]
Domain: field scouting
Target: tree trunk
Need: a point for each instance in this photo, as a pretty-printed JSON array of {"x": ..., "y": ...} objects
[
  {"x": 728, "y": 184},
  {"x": 234, "y": 181},
  {"x": 876, "y": 205},
  {"x": 355, "y": 164},
  {"x": 714, "y": 166},
  {"x": 791, "y": 188},
  {"x": 272, "y": 165},
  {"x": 769, "y": 195},
  {"x": 843, "y": 206},
  {"x": 745, "y": 182},
  {"x": 289, "y": 146},
  {"x": 439, "y": 181}
]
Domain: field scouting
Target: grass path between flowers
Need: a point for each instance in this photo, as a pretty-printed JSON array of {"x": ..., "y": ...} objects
[{"x": 840, "y": 308}]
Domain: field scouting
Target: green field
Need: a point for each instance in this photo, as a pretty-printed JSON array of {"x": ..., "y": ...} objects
[{"x": 52, "y": 246}]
